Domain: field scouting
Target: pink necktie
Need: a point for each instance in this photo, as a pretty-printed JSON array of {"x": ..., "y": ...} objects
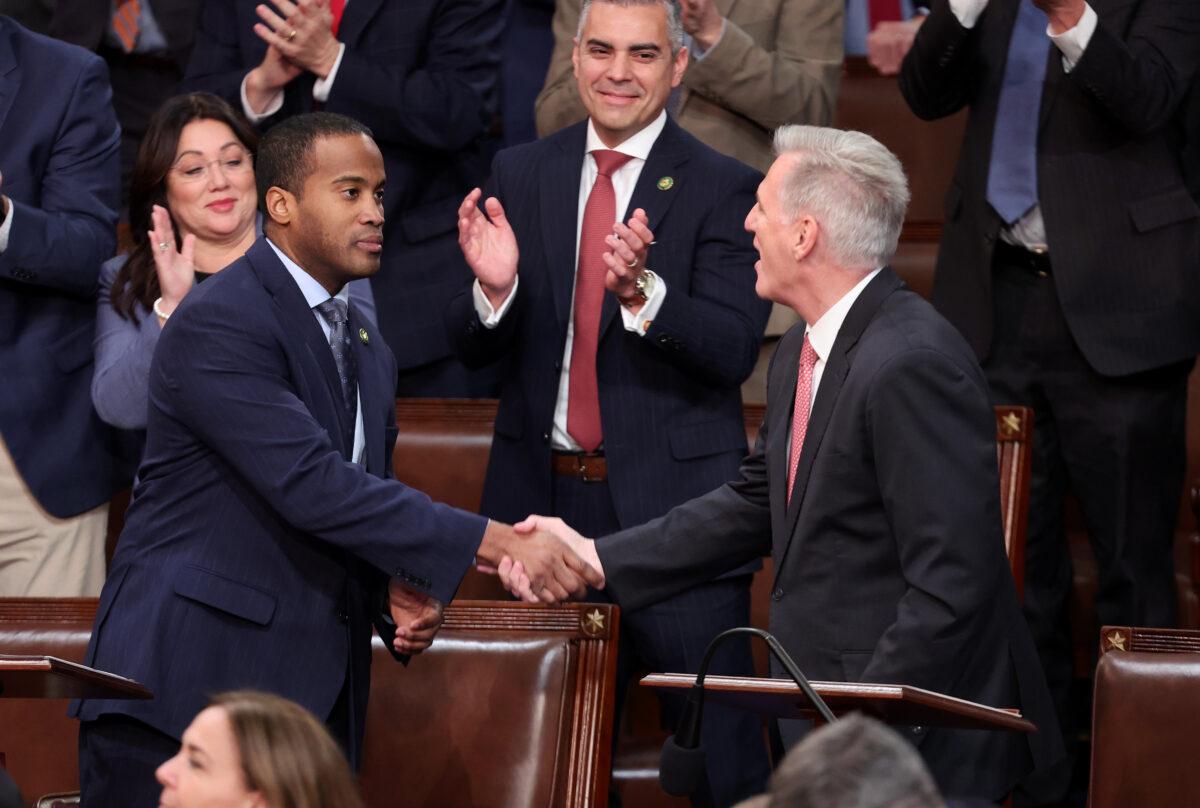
[
  {"x": 808, "y": 360},
  {"x": 583, "y": 397},
  {"x": 883, "y": 11}
]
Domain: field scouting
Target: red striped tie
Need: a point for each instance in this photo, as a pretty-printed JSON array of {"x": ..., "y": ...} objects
[
  {"x": 125, "y": 22},
  {"x": 599, "y": 215},
  {"x": 808, "y": 360}
]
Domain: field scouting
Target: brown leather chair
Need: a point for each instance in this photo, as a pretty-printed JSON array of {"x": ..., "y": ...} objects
[
  {"x": 1144, "y": 716},
  {"x": 38, "y": 741},
  {"x": 511, "y": 706}
]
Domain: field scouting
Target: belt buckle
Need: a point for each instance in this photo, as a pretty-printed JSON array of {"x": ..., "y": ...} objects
[{"x": 583, "y": 474}]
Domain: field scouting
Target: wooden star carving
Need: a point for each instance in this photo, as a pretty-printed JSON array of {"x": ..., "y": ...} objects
[
  {"x": 1116, "y": 641},
  {"x": 1012, "y": 423},
  {"x": 593, "y": 622}
]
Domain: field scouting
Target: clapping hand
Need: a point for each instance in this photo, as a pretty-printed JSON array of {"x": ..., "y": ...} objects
[
  {"x": 417, "y": 616},
  {"x": 489, "y": 245}
]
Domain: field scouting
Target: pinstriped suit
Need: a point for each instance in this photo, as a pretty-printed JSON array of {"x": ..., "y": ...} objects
[
  {"x": 670, "y": 401},
  {"x": 254, "y": 555}
]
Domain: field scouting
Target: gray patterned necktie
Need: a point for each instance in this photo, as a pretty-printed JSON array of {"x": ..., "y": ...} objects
[{"x": 334, "y": 312}]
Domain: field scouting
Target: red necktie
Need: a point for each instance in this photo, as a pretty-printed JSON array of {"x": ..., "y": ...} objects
[
  {"x": 337, "y": 7},
  {"x": 883, "y": 11},
  {"x": 125, "y": 22},
  {"x": 583, "y": 396},
  {"x": 808, "y": 360}
]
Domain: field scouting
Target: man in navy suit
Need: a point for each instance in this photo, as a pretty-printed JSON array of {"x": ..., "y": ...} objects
[
  {"x": 422, "y": 74},
  {"x": 650, "y": 414},
  {"x": 873, "y": 482},
  {"x": 59, "y": 183},
  {"x": 267, "y": 532}
]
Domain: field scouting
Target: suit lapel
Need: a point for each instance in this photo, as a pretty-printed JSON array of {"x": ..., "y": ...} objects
[
  {"x": 666, "y": 160},
  {"x": 355, "y": 18},
  {"x": 10, "y": 74},
  {"x": 300, "y": 324},
  {"x": 558, "y": 194},
  {"x": 837, "y": 367},
  {"x": 371, "y": 387}
]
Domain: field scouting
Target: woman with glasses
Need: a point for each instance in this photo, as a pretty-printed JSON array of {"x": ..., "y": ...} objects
[{"x": 192, "y": 210}]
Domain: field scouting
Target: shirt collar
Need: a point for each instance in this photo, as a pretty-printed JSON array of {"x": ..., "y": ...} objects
[
  {"x": 314, "y": 293},
  {"x": 824, "y": 331},
  {"x": 638, "y": 146}
]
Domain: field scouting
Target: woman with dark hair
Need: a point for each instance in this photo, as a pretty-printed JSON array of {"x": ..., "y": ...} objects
[
  {"x": 257, "y": 750},
  {"x": 192, "y": 209}
]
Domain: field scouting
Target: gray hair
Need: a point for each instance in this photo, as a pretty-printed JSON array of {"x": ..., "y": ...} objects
[
  {"x": 854, "y": 763},
  {"x": 851, "y": 184},
  {"x": 674, "y": 19}
]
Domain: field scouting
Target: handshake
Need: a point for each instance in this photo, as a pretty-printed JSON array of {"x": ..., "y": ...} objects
[{"x": 540, "y": 559}]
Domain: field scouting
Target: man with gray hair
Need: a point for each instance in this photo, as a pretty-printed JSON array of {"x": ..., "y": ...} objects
[
  {"x": 873, "y": 482},
  {"x": 855, "y": 763}
]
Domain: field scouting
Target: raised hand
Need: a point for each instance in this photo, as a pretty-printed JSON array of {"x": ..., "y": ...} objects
[
  {"x": 176, "y": 268},
  {"x": 702, "y": 21},
  {"x": 1062, "y": 14},
  {"x": 417, "y": 616},
  {"x": 489, "y": 245},
  {"x": 889, "y": 42},
  {"x": 626, "y": 258}
]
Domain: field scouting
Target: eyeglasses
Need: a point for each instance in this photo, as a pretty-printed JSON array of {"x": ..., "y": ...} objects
[{"x": 234, "y": 160}]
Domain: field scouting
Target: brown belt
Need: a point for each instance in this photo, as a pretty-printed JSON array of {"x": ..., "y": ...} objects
[{"x": 591, "y": 468}]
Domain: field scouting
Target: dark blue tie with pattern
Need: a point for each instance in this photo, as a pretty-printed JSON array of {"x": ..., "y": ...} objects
[{"x": 334, "y": 312}]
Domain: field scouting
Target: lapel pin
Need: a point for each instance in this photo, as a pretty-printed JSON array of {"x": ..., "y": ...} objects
[
  {"x": 362, "y": 335},
  {"x": 666, "y": 183}
]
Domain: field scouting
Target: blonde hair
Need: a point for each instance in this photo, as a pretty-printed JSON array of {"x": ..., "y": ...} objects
[{"x": 287, "y": 755}]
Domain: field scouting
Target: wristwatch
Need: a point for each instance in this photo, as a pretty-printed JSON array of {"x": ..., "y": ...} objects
[{"x": 643, "y": 287}]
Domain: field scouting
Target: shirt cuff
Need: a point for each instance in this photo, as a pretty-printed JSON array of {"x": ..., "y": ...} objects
[
  {"x": 488, "y": 315},
  {"x": 968, "y": 11},
  {"x": 700, "y": 54},
  {"x": 7, "y": 226},
  {"x": 640, "y": 323},
  {"x": 1074, "y": 41},
  {"x": 273, "y": 106},
  {"x": 321, "y": 87}
]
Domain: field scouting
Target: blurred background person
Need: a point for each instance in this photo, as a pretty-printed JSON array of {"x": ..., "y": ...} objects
[
  {"x": 59, "y": 176},
  {"x": 257, "y": 750},
  {"x": 146, "y": 44},
  {"x": 423, "y": 76},
  {"x": 193, "y": 212}
]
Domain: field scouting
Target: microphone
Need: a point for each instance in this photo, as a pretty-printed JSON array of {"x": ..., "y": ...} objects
[{"x": 683, "y": 753}]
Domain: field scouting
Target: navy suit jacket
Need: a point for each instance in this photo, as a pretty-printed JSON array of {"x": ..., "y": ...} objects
[
  {"x": 889, "y": 562},
  {"x": 422, "y": 74},
  {"x": 254, "y": 555},
  {"x": 670, "y": 401},
  {"x": 59, "y": 159},
  {"x": 1123, "y": 231}
]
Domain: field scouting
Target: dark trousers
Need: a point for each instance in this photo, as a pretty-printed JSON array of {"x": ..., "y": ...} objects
[
  {"x": 672, "y": 636},
  {"x": 1118, "y": 444},
  {"x": 118, "y": 756}
]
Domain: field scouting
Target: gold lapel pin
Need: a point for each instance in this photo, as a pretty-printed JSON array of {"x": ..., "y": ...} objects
[
  {"x": 666, "y": 183},
  {"x": 362, "y": 335}
]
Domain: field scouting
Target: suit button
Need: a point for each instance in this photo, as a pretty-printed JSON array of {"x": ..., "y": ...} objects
[
  {"x": 777, "y": 594},
  {"x": 344, "y": 617},
  {"x": 558, "y": 364},
  {"x": 545, "y": 437}
]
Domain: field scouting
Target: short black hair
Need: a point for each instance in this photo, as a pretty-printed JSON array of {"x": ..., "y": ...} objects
[{"x": 285, "y": 152}]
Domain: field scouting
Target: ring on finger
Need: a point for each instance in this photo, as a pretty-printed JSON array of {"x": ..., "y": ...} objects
[
  {"x": 162, "y": 245},
  {"x": 290, "y": 35},
  {"x": 632, "y": 263}
]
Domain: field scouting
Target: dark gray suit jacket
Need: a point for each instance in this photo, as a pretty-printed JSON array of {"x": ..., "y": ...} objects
[{"x": 889, "y": 563}]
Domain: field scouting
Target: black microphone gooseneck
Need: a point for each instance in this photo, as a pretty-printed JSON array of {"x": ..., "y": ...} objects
[{"x": 683, "y": 754}]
